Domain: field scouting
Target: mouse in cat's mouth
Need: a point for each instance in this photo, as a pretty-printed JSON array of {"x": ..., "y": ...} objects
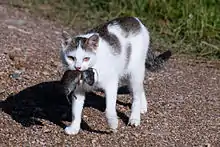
[{"x": 72, "y": 78}]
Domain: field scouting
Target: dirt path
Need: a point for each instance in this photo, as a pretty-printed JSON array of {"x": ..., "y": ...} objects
[{"x": 184, "y": 99}]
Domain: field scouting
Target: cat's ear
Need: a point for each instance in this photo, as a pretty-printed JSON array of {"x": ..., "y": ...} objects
[
  {"x": 93, "y": 42},
  {"x": 66, "y": 39}
]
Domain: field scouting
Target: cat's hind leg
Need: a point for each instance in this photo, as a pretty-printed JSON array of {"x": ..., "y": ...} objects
[{"x": 139, "y": 99}]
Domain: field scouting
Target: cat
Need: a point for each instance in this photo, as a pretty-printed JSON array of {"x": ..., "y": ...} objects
[{"x": 116, "y": 50}]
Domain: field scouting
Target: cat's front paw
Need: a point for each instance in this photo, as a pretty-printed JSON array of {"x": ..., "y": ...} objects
[{"x": 72, "y": 130}]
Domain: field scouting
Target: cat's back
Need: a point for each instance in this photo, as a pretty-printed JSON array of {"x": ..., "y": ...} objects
[{"x": 124, "y": 26}]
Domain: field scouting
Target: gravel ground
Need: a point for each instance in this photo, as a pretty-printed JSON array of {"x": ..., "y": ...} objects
[{"x": 184, "y": 98}]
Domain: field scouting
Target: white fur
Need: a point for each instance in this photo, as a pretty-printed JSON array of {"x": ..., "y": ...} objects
[
  {"x": 86, "y": 35},
  {"x": 111, "y": 68},
  {"x": 77, "y": 106}
]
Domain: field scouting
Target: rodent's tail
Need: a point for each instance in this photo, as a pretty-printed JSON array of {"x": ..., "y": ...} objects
[{"x": 154, "y": 63}]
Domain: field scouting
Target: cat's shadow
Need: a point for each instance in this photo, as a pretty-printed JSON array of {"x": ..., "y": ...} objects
[{"x": 46, "y": 101}]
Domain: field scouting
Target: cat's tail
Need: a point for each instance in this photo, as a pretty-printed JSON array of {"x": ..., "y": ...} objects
[{"x": 154, "y": 63}]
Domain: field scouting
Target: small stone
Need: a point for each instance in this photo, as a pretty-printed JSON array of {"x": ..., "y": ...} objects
[
  {"x": 93, "y": 141},
  {"x": 113, "y": 131},
  {"x": 45, "y": 73},
  {"x": 207, "y": 145},
  {"x": 16, "y": 74},
  {"x": 2, "y": 91},
  {"x": 47, "y": 130},
  {"x": 12, "y": 57},
  {"x": 136, "y": 135}
]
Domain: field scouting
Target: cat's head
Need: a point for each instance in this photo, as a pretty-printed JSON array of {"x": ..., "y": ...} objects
[{"x": 79, "y": 53}]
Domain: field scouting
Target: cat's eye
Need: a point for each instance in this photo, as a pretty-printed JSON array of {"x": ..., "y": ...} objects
[
  {"x": 71, "y": 58},
  {"x": 86, "y": 59}
]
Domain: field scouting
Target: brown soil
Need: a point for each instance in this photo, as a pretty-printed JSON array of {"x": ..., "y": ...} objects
[{"x": 184, "y": 98}]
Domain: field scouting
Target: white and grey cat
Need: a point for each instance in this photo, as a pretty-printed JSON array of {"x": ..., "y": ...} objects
[{"x": 117, "y": 49}]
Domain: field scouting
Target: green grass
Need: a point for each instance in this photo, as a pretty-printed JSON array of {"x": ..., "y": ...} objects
[{"x": 187, "y": 27}]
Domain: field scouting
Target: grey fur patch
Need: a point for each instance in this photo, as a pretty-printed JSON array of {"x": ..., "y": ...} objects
[
  {"x": 80, "y": 41},
  {"x": 128, "y": 25},
  {"x": 128, "y": 54},
  {"x": 86, "y": 43},
  {"x": 71, "y": 46},
  {"x": 76, "y": 42},
  {"x": 110, "y": 38}
]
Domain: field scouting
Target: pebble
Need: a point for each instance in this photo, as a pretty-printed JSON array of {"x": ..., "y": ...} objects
[
  {"x": 45, "y": 73},
  {"x": 2, "y": 91},
  {"x": 16, "y": 74}
]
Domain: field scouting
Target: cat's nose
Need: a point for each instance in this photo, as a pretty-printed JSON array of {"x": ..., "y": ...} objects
[{"x": 78, "y": 68}]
